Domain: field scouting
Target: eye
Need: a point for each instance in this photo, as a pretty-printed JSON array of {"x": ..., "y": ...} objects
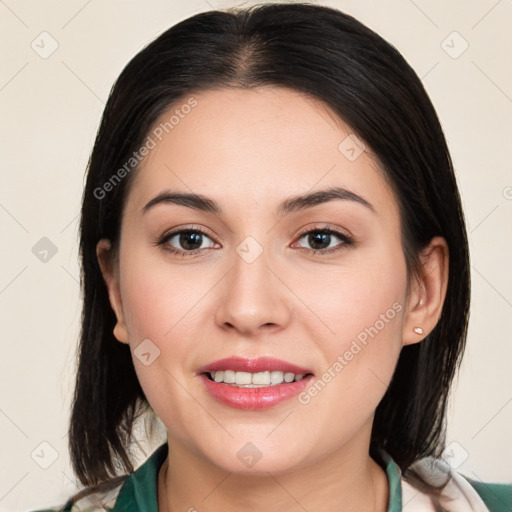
[
  {"x": 189, "y": 241},
  {"x": 321, "y": 239},
  {"x": 192, "y": 241}
]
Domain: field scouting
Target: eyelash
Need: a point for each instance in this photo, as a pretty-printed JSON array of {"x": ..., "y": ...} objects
[{"x": 346, "y": 240}]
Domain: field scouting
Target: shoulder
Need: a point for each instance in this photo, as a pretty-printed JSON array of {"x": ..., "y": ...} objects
[
  {"x": 461, "y": 493},
  {"x": 90, "y": 499},
  {"x": 497, "y": 497},
  {"x": 134, "y": 491}
]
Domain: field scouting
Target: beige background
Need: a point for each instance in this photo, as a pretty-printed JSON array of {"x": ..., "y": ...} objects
[{"x": 50, "y": 110}]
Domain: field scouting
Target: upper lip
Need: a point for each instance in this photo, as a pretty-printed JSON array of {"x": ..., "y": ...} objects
[{"x": 261, "y": 364}]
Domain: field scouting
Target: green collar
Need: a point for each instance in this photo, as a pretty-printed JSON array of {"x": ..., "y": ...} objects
[
  {"x": 139, "y": 491},
  {"x": 394, "y": 475}
]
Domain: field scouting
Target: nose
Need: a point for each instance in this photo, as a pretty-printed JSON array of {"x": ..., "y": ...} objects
[{"x": 253, "y": 300}]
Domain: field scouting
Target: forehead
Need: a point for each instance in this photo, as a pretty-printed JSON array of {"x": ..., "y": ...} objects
[{"x": 254, "y": 146}]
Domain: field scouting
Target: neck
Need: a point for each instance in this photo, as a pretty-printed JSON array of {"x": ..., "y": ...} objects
[{"x": 346, "y": 481}]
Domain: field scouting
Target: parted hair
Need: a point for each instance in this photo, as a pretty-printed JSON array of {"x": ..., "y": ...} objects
[{"x": 326, "y": 54}]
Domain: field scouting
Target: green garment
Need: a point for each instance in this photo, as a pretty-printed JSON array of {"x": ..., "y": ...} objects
[{"x": 138, "y": 492}]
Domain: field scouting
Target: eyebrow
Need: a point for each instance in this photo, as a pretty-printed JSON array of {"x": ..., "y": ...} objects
[{"x": 292, "y": 204}]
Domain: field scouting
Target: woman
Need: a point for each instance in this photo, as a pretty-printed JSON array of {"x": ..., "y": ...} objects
[{"x": 275, "y": 264}]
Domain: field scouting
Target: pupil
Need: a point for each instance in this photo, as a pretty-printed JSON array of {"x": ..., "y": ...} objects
[
  {"x": 191, "y": 240},
  {"x": 319, "y": 238},
  {"x": 187, "y": 240}
]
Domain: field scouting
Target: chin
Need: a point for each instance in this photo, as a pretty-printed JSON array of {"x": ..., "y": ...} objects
[{"x": 257, "y": 458}]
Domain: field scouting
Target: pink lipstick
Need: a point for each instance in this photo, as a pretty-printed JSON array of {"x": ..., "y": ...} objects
[{"x": 253, "y": 384}]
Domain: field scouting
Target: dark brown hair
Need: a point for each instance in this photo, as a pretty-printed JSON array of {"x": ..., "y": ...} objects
[{"x": 328, "y": 55}]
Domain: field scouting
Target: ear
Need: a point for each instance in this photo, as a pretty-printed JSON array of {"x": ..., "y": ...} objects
[
  {"x": 111, "y": 276},
  {"x": 427, "y": 292}
]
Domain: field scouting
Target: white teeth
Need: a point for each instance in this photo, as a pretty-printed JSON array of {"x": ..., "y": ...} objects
[
  {"x": 261, "y": 378},
  {"x": 242, "y": 378},
  {"x": 288, "y": 377},
  {"x": 229, "y": 377},
  {"x": 254, "y": 380},
  {"x": 276, "y": 378}
]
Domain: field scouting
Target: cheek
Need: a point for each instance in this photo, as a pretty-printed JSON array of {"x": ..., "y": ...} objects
[
  {"x": 161, "y": 305},
  {"x": 363, "y": 308},
  {"x": 159, "y": 300},
  {"x": 361, "y": 301}
]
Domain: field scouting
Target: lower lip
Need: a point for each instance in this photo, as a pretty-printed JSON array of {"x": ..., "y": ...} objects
[{"x": 254, "y": 398}]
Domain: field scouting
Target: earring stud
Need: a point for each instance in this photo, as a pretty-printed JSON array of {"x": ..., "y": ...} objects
[{"x": 418, "y": 330}]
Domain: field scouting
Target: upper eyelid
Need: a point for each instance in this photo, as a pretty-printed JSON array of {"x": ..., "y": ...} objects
[
  {"x": 336, "y": 231},
  {"x": 323, "y": 227}
]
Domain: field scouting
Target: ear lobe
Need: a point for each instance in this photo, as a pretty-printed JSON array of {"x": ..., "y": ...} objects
[
  {"x": 428, "y": 292},
  {"x": 111, "y": 278}
]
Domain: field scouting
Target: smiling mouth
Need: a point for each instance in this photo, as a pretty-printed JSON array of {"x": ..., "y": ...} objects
[{"x": 254, "y": 380}]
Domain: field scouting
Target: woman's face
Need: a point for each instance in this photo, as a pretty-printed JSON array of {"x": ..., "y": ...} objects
[{"x": 251, "y": 287}]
